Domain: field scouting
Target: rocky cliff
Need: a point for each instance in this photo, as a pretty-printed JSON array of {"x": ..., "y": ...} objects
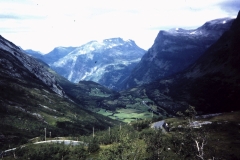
[{"x": 175, "y": 50}]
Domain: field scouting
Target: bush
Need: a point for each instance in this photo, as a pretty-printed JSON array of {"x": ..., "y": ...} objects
[{"x": 93, "y": 146}]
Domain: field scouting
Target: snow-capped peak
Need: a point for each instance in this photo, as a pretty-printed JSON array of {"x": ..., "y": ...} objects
[{"x": 205, "y": 30}]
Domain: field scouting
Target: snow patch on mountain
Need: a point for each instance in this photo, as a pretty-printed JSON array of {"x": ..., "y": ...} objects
[{"x": 204, "y": 30}]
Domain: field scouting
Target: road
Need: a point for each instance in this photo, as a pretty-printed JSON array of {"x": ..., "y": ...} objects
[
  {"x": 66, "y": 142},
  {"x": 158, "y": 124}
]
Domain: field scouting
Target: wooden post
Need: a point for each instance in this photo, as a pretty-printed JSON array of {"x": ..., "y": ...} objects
[
  {"x": 50, "y": 134},
  {"x": 45, "y": 133}
]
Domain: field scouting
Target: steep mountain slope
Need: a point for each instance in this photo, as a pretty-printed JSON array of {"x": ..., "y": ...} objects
[
  {"x": 31, "y": 99},
  {"x": 108, "y": 62},
  {"x": 175, "y": 50},
  {"x": 211, "y": 84},
  {"x": 32, "y": 65}
]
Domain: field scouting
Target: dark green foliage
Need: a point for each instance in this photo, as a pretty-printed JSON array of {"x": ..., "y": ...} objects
[
  {"x": 146, "y": 133},
  {"x": 128, "y": 142},
  {"x": 140, "y": 125},
  {"x": 126, "y": 147},
  {"x": 93, "y": 146},
  {"x": 155, "y": 144},
  {"x": 51, "y": 151}
]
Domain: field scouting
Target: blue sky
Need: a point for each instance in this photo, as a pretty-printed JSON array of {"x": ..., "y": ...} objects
[{"x": 44, "y": 24}]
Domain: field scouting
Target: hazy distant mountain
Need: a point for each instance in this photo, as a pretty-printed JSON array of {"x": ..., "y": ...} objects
[
  {"x": 57, "y": 53},
  {"x": 35, "y": 54},
  {"x": 53, "y": 56},
  {"x": 175, "y": 50}
]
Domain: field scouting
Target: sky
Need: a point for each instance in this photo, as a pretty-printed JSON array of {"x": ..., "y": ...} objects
[{"x": 42, "y": 25}]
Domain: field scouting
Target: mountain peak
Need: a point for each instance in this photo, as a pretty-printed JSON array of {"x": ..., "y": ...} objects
[
  {"x": 118, "y": 40},
  {"x": 115, "y": 40},
  {"x": 215, "y": 24},
  {"x": 236, "y": 23},
  {"x": 238, "y": 16}
]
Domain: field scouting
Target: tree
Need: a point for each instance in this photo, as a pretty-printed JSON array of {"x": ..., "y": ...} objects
[
  {"x": 196, "y": 139},
  {"x": 200, "y": 141},
  {"x": 191, "y": 113}
]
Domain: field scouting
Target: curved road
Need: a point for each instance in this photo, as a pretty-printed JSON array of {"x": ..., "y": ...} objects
[
  {"x": 158, "y": 124},
  {"x": 66, "y": 142}
]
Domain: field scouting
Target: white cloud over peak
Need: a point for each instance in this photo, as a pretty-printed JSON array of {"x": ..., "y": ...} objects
[{"x": 43, "y": 24}]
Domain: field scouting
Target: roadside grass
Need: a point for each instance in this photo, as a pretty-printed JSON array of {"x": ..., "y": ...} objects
[
  {"x": 230, "y": 117},
  {"x": 223, "y": 134}
]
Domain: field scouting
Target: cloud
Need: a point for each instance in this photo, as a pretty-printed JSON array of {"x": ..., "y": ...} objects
[
  {"x": 5, "y": 16},
  {"x": 18, "y": 17},
  {"x": 230, "y": 6},
  {"x": 47, "y": 24}
]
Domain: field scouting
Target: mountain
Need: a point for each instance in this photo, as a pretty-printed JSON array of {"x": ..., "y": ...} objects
[
  {"x": 108, "y": 62},
  {"x": 31, "y": 65},
  {"x": 57, "y": 53},
  {"x": 53, "y": 56},
  {"x": 211, "y": 84},
  {"x": 35, "y": 54},
  {"x": 174, "y": 51},
  {"x": 31, "y": 99}
]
